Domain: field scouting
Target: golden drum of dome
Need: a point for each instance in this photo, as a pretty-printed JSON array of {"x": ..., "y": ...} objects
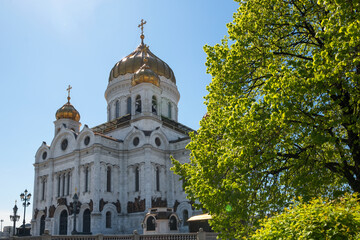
[
  {"x": 135, "y": 60},
  {"x": 67, "y": 111}
]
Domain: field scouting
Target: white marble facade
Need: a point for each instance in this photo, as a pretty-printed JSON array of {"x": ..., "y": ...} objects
[{"x": 119, "y": 169}]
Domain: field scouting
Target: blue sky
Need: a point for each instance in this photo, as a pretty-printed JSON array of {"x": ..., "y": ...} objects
[{"x": 45, "y": 45}]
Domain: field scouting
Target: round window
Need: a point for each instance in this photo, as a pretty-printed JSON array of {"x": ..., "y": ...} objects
[
  {"x": 64, "y": 144},
  {"x": 44, "y": 155},
  {"x": 157, "y": 142},
  {"x": 87, "y": 140},
  {"x": 136, "y": 141}
]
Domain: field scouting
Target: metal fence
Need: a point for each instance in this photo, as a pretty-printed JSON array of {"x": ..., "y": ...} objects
[{"x": 201, "y": 235}]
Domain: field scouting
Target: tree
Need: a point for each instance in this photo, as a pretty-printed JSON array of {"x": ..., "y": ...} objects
[
  {"x": 318, "y": 219},
  {"x": 283, "y": 112}
]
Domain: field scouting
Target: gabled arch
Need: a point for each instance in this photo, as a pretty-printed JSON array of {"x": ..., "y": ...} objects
[
  {"x": 86, "y": 131},
  {"x": 163, "y": 139},
  {"x": 128, "y": 140},
  {"x": 55, "y": 147}
]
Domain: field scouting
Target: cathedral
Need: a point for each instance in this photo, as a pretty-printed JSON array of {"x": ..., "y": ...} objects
[{"x": 115, "y": 178}]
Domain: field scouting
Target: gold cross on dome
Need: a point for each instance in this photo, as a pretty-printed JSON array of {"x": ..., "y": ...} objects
[
  {"x": 68, "y": 89},
  {"x": 141, "y": 26}
]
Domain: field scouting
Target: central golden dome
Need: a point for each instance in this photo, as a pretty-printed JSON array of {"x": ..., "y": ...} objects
[{"x": 135, "y": 60}]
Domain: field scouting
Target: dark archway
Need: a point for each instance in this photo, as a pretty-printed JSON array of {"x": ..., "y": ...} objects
[
  {"x": 108, "y": 220},
  {"x": 63, "y": 223},
  {"x": 42, "y": 225},
  {"x": 87, "y": 221},
  {"x": 173, "y": 223},
  {"x": 150, "y": 224}
]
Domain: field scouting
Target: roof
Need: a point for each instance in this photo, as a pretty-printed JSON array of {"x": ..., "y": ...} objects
[{"x": 200, "y": 217}]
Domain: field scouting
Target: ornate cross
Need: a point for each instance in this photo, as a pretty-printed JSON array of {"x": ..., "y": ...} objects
[
  {"x": 68, "y": 89},
  {"x": 141, "y": 26}
]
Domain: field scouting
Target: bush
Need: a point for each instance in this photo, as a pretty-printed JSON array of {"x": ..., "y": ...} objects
[{"x": 317, "y": 219}]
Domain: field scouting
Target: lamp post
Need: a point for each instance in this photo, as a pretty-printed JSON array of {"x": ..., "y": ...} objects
[
  {"x": 14, "y": 218},
  {"x": 1, "y": 225},
  {"x": 25, "y": 196},
  {"x": 75, "y": 203}
]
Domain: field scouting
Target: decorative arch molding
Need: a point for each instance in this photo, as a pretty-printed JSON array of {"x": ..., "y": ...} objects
[
  {"x": 85, "y": 132},
  {"x": 43, "y": 148},
  {"x": 55, "y": 148},
  {"x": 109, "y": 207},
  {"x": 57, "y": 214},
  {"x": 128, "y": 140},
  {"x": 158, "y": 133},
  {"x": 184, "y": 206}
]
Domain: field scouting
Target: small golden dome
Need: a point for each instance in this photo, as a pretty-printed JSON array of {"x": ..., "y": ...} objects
[
  {"x": 67, "y": 110},
  {"x": 145, "y": 74}
]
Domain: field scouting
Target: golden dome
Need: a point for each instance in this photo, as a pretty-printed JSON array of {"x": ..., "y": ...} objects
[
  {"x": 135, "y": 60},
  {"x": 145, "y": 74},
  {"x": 67, "y": 111}
]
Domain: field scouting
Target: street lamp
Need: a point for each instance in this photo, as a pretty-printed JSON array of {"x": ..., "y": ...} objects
[
  {"x": 1, "y": 225},
  {"x": 25, "y": 196},
  {"x": 14, "y": 217},
  {"x": 75, "y": 203}
]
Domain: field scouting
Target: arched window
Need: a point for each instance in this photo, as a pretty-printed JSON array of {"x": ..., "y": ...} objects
[
  {"x": 42, "y": 225},
  {"x": 150, "y": 224},
  {"x": 137, "y": 179},
  {"x": 157, "y": 179},
  {"x": 108, "y": 219},
  {"x": 173, "y": 223},
  {"x": 108, "y": 179},
  {"x": 169, "y": 110},
  {"x": 117, "y": 109},
  {"x": 63, "y": 185},
  {"x": 86, "y": 221},
  {"x": 59, "y": 184},
  {"x": 128, "y": 105},
  {"x": 154, "y": 105},
  {"x": 185, "y": 217},
  {"x": 138, "y": 104},
  {"x": 86, "y": 179},
  {"x": 68, "y": 184},
  {"x": 63, "y": 223},
  {"x": 43, "y": 189}
]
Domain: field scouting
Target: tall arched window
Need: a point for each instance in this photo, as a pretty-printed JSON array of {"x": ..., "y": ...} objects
[
  {"x": 154, "y": 105},
  {"x": 117, "y": 109},
  {"x": 157, "y": 179},
  {"x": 63, "y": 223},
  {"x": 128, "y": 105},
  {"x": 86, "y": 221},
  {"x": 150, "y": 224},
  {"x": 185, "y": 217},
  {"x": 63, "y": 185},
  {"x": 42, "y": 225},
  {"x": 43, "y": 189},
  {"x": 68, "y": 184},
  {"x": 138, "y": 104},
  {"x": 137, "y": 179},
  {"x": 108, "y": 220},
  {"x": 59, "y": 184},
  {"x": 108, "y": 179},
  {"x": 86, "y": 179},
  {"x": 173, "y": 223},
  {"x": 169, "y": 110}
]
